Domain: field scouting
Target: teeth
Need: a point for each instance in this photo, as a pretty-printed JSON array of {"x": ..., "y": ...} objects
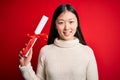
[{"x": 67, "y": 33}]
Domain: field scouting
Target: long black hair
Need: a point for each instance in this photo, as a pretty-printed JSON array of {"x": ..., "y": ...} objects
[{"x": 53, "y": 31}]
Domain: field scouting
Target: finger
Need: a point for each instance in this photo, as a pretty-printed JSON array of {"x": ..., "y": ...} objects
[
  {"x": 23, "y": 49},
  {"x": 20, "y": 52},
  {"x": 26, "y": 44},
  {"x": 31, "y": 50},
  {"x": 21, "y": 60},
  {"x": 20, "y": 56}
]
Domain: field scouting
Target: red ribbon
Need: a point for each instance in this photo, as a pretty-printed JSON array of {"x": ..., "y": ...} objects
[{"x": 42, "y": 35}]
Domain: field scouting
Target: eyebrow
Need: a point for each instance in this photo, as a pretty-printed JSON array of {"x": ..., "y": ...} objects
[{"x": 68, "y": 19}]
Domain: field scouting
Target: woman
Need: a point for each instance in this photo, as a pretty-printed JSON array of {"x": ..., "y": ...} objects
[{"x": 66, "y": 57}]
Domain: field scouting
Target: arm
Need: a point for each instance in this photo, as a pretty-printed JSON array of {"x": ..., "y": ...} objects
[
  {"x": 28, "y": 72},
  {"x": 41, "y": 66},
  {"x": 26, "y": 68},
  {"x": 92, "y": 72}
]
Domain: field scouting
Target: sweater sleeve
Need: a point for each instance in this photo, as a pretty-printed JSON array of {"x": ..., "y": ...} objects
[
  {"x": 41, "y": 65},
  {"x": 28, "y": 72},
  {"x": 92, "y": 72}
]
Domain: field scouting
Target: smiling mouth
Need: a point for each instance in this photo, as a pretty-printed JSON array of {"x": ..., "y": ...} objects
[{"x": 67, "y": 33}]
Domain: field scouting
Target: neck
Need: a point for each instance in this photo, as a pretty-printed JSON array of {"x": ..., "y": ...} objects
[{"x": 66, "y": 43}]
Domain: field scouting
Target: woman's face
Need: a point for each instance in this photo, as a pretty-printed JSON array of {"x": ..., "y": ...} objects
[{"x": 66, "y": 25}]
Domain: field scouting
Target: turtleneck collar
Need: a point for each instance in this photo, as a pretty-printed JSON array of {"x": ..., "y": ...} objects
[{"x": 66, "y": 44}]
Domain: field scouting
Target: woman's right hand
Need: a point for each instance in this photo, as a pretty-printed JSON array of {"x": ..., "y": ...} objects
[{"x": 25, "y": 60}]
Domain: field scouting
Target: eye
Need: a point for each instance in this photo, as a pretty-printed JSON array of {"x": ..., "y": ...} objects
[
  {"x": 71, "y": 22},
  {"x": 60, "y": 22}
]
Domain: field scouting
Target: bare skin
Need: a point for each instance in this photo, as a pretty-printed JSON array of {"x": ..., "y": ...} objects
[{"x": 25, "y": 60}]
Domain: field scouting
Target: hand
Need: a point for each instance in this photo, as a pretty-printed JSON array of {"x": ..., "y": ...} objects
[{"x": 25, "y": 60}]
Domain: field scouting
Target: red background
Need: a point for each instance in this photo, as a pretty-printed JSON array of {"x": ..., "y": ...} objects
[{"x": 99, "y": 22}]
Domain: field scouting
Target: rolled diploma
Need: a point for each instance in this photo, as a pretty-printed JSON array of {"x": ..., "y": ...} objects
[{"x": 37, "y": 31}]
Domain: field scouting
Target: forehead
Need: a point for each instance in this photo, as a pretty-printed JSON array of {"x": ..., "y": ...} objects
[{"x": 66, "y": 15}]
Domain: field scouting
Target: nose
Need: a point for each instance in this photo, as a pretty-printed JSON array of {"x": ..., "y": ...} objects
[{"x": 66, "y": 26}]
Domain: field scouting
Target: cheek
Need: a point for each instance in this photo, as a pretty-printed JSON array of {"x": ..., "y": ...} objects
[
  {"x": 74, "y": 25},
  {"x": 74, "y": 31},
  {"x": 74, "y": 28},
  {"x": 59, "y": 28}
]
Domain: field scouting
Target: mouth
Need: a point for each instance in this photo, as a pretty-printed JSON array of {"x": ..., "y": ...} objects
[{"x": 67, "y": 33}]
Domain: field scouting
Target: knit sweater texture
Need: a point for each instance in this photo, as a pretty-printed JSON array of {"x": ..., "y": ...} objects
[{"x": 63, "y": 60}]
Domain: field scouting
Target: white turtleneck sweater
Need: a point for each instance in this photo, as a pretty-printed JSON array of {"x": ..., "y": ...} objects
[{"x": 63, "y": 60}]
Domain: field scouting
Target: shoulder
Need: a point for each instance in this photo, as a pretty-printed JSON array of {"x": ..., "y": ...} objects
[
  {"x": 88, "y": 50},
  {"x": 46, "y": 49},
  {"x": 85, "y": 47}
]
